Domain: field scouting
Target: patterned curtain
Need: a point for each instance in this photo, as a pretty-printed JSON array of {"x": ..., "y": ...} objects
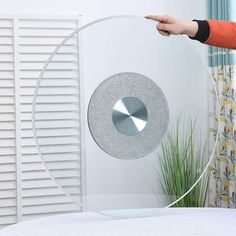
[{"x": 222, "y": 185}]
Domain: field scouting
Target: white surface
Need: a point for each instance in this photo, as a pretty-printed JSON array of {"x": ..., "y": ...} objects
[{"x": 175, "y": 221}]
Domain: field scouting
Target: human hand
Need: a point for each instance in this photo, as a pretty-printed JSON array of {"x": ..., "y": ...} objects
[{"x": 172, "y": 25}]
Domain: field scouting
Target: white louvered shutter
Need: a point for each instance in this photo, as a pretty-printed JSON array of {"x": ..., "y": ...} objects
[
  {"x": 8, "y": 213},
  {"x": 26, "y": 189}
]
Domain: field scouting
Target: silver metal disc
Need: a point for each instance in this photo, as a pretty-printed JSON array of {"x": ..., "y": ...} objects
[{"x": 128, "y": 115}]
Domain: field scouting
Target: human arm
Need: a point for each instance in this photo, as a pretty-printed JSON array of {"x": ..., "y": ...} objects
[{"x": 217, "y": 33}]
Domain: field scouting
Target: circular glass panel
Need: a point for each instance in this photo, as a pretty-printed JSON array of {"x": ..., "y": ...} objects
[{"x": 90, "y": 175}]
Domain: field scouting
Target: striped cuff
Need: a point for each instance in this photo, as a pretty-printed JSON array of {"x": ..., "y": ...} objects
[{"x": 203, "y": 31}]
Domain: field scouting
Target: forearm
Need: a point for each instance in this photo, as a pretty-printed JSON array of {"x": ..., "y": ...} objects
[{"x": 217, "y": 33}]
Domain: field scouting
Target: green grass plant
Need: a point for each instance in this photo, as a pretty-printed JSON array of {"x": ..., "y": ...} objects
[{"x": 183, "y": 159}]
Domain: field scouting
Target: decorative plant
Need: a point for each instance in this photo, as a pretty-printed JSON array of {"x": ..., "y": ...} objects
[{"x": 183, "y": 159}]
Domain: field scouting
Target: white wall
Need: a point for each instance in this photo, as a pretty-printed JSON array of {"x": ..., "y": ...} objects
[{"x": 93, "y": 9}]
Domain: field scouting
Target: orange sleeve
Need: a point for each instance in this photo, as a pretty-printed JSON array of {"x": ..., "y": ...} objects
[{"x": 222, "y": 34}]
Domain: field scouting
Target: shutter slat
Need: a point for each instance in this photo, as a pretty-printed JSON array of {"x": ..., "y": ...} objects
[
  {"x": 55, "y": 165},
  {"x": 7, "y": 125},
  {"x": 41, "y": 57},
  {"x": 27, "y": 41},
  {"x": 50, "y": 82},
  {"x": 30, "y": 158},
  {"x": 34, "y": 184},
  {"x": 6, "y": 133},
  {"x": 6, "y": 23},
  {"x": 8, "y": 202},
  {"x": 7, "y": 220},
  {"x": 6, "y": 40},
  {"x": 32, "y": 32},
  {"x": 48, "y": 24},
  {"x": 7, "y": 211},
  {"x": 6, "y": 74},
  {"x": 45, "y": 201},
  {"x": 56, "y": 132},
  {"x": 7, "y": 159},
  {"x": 50, "y": 208},
  {"x": 7, "y": 57},
  {"x": 6, "y": 92},
  {"x": 6, "y": 117},
  {"x": 6, "y": 176},
  {"x": 6, "y": 66},
  {"x": 6, "y": 48},
  {"x": 62, "y": 99},
  {"x": 7, "y": 185},
  {"x": 40, "y": 192},
  {"x": 48, "y": 74},
  {"x": 57, "y": 116},
  {"x": 51, "y": 141},
  {"x": 4, "y": 194},
  {"x": 70, "y": 173},
  {"x": 7, "y": 168}
]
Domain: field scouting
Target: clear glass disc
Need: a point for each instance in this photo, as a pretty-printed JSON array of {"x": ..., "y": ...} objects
[{"x": 78, "y": 66}]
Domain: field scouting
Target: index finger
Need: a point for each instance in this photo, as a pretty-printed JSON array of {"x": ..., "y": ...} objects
[{"x": 157, "y": 18}]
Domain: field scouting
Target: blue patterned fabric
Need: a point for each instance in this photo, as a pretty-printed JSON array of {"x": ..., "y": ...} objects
[
  {"x": 221, "y": 10},
  {"x": 222, "y": 184}
]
